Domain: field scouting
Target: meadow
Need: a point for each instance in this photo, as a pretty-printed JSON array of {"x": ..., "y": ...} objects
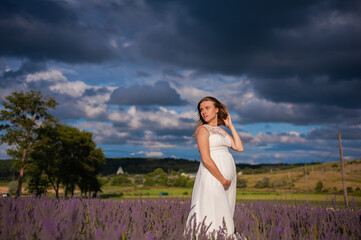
[
  {"x": 164, "y": 218},
  {"x": 136, "y": 211}
]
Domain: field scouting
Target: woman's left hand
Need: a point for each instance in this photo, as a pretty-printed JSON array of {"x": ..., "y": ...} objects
[{"x": 228, "y": 121}]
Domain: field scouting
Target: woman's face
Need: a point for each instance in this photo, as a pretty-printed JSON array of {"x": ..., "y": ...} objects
[{"x": 208, "y": 111}]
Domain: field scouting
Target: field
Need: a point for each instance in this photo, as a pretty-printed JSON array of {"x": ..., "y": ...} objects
[
  {"x": 287, "y": 184},
  {"x": 165, "y": 218},
  {"x": 135, "y": 211}
]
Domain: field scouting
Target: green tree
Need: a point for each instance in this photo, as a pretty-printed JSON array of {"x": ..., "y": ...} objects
[
  {"x": 264, "y": 183},
  {"x": 47, "y": 158},
  {"x": 69, "y": 158},
  {"x": 241, "y": 182},
  {"x": 119, "y": 180},
  {"x": 80, "y": 160},
  {"x": 319, "y": 186},
  {"x": 180, "y": 181},
  {"x": 24, "y": 113}
]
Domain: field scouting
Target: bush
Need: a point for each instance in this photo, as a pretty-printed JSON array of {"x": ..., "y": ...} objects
[
  {"x": 138, "y": 179},
  {"x": 162, "y": 179},
  {"x": 349, "y": 189},
  {"x": 149, "y": 181},
  {"x": 119, "y": 180},
  {"x": 103, "y": 180},
  {"x": 13, "y": 187},
  {"x": 264, "y": 183},
  {"x": 357, "y": 191},
  {"x": 241, "y": 182},
  {"x": 157, "y": 177},
  {"x": 279, "y": 183},
  {"x": 181, "y": 181},
  {"x": 190, "y": 182},
  {"x": 319, "y": 186}
]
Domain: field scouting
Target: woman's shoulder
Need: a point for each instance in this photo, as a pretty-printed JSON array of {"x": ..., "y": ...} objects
[{"x": 203, "y": 129}]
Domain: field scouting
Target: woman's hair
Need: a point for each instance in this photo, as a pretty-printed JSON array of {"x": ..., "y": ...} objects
[{"x": 221, "y": 115}]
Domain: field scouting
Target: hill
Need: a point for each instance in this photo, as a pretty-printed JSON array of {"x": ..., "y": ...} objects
[
  {"x": 294, "y": 179},
  {"x": 147, "y": 165}
]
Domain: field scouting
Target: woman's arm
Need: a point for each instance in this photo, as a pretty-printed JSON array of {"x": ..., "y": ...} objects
[
  {"x": 203, "y": 145},
  {"x": 237, "y": 144}
]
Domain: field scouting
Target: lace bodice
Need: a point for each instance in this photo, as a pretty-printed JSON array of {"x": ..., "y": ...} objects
[{"x": 218, "y": 139}]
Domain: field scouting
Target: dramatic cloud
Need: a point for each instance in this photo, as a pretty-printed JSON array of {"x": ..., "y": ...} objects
[
  {"x": 159, "y": 94},
  {"x": 50, "y": 30},
  {"x": 133, "y": 71},
  {"x": 331, "y": 132}
]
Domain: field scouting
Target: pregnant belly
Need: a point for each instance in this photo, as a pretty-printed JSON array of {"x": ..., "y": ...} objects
[{"x": 225, "y": 164}]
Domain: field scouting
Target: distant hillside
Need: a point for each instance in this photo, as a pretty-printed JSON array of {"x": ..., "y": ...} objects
[
  {"x": 328, "y": 173},
  {"x": 146, "y": 165},
  {"x": 5, "y": 170}
]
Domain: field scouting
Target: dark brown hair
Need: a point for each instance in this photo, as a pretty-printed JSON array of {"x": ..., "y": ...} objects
[{"x": 221, "y": 115}]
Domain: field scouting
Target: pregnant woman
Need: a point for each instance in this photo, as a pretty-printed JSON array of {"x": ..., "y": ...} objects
[{"x": 214, "y": 191}]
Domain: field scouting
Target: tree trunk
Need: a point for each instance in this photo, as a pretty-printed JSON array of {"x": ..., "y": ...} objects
[
  {"x": 21, "y": 173},
  {"x": 342, "y": 173},
  {"x": 66, "y": 190},
  {"x": 20, "y": 182},
  {"x": 57, "y": 190}
]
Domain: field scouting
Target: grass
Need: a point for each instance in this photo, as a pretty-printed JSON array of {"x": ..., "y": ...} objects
[{"x": 155, "y": 192}]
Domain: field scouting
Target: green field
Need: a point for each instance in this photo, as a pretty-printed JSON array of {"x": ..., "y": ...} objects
[{"x": 155, "y": 192}]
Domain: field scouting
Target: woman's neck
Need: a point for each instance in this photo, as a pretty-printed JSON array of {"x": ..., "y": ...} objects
[{"x": 213, "y": 123}]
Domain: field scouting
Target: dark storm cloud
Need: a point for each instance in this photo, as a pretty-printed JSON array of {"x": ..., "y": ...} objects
[
  {"x": 331, "y": 132},
  {"x": 142, "y": 74},
  {"x": 293, "y": 51},
  {"x": 90, "y": 92},
  {"x": 311, "y": 89},
  {"x": 50, "y": 30},
  {"x": 299, "y": 114},
  {"x": 13, "y": 77},
  {"x": 159, "y": 94}
]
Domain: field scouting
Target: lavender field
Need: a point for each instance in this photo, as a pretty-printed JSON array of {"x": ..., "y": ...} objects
[{"x": 164, "y": 218}]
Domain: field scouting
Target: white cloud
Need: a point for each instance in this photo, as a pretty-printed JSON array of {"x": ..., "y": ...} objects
[
  {"x": 161, "y": 118},
  {"x": 103, "y": 132},
  {"x": 52, "y": 75},
  {"x": 148, "y": 154},
  {"x": 150, "y": 140},
  {"x": 74, "y": 89},
  {"x": 287, "y": 137}
]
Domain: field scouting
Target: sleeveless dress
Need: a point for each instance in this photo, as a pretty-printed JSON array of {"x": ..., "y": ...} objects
[{"x": 209, "y": 199}]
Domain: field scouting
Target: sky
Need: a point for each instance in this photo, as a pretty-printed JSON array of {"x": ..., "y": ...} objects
[{"x": 133, "y": 71}]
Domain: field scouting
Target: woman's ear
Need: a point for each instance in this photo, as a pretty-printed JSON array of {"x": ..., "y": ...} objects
[{"x": 217, "y": 109}]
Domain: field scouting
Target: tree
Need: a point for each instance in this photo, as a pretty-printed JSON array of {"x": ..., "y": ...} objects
[
  {"x": 319, "y": 186},
  {"x": 241, "y": 182},
  {"x": 264, "y": 183},
  {"x": 69, "y": 158},
  {"x": 24, "y": 113},
  {"x": 47, "y": 158},
  {"x": 81, "y": 160}
]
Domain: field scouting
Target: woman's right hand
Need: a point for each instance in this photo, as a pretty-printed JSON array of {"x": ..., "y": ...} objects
[{"x": 226, "y": 183}]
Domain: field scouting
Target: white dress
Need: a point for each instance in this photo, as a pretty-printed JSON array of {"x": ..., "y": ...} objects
[{"x": 209, "y": 199}]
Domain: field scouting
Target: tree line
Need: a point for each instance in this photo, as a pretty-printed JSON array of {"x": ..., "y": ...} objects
[{"x": 53, "y": 155}]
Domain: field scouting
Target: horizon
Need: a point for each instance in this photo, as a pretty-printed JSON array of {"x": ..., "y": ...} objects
[{"x": 198, "y": 160}]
